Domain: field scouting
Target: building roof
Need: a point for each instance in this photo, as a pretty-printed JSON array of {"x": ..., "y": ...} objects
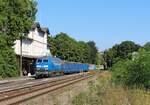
[
  {"x": 46, "y": 30},
  {"x": 41, "y": 29}
]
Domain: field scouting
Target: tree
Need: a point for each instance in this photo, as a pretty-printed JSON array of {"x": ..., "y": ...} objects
[
  {"x": 52, "y": 45},
  {"x": 84, "y": 51},
  {"x": 99, "y": 59},
  {"x": 93, "y": 52},
  {"x": 147, "y": 46},
  {"x": 120, "y": 51},
  {"x": 8, "y": 63},
  {"x": 16, "y": 17},
  {"x": 69, "y": 49},
  {"x": 127, "y": 47}
]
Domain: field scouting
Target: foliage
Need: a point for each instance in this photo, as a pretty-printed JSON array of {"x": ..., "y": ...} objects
[
  {"x": 69, "y": 49},
  {"x": 84, "y": 52},
  {"x": 51, "y": 42},
  {"x": 99, "y": 59},
  {"x": 126, "y": 48},
  {"x": 93, "y": 52},
  {"x": 8, "y": 63},
  {"x": 135, "y": 72},
  {"x": 102, "y": 91},
  {"x": 16, "y": 17},
  {"x": 120, "y": 73},
  {"x": 147, "y": 46},
  {"x": 120, "y": 51}
]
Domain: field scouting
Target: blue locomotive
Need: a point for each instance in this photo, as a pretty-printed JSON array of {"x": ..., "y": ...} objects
[{"x": 50, "y": 66}]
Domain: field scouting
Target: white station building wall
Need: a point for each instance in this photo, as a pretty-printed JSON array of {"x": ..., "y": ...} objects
[{"x": 35, "y": 45}]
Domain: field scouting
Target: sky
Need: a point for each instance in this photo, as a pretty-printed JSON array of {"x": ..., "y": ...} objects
[{"x": 107, "y": 22}]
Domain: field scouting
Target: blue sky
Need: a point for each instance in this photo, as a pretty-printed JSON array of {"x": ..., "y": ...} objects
[{"x": 106, "y": 22}]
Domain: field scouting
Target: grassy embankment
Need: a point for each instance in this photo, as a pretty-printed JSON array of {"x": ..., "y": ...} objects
[{"x": 104, "y": 92}]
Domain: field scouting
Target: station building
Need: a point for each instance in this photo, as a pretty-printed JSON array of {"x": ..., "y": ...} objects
[{"x": 34, "y": 45}]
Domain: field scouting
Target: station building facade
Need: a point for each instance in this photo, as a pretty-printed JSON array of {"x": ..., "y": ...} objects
[{"x": 33, "y": 46}]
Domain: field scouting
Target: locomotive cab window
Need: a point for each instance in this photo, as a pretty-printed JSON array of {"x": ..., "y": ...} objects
[
  {"x": 39, "y": 61},
  {"x": 45, "y": 60}
]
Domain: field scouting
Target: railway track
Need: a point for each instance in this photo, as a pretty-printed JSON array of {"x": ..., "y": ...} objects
[
  {"x": 14, "y": 80},
  {"x": 16, "y": 95},
  {"x": 20, "y": 83}
]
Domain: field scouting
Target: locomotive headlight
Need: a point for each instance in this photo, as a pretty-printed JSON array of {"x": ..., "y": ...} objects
[
  {"x": 46, "y": 66},
  {"x": 38, "y": 66}
]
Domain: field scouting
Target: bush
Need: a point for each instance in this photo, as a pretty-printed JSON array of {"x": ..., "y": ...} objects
[
  {"x": 133, "y": 72},
  {"x": 8, "y": 63},
  {"x": 119, "y": 74}
]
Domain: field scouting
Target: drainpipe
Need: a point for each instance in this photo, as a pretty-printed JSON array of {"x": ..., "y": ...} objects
[{"x": 21, "y": 56}]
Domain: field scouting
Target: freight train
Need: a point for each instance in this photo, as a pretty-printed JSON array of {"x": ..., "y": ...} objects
[{"x": 52, "y": 66}]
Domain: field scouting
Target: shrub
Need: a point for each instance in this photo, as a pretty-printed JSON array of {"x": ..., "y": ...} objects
[
  {"x": 133, "y": 72},
  {"x": 119, "y": 74},
  {"x": 8, "y": 63}
]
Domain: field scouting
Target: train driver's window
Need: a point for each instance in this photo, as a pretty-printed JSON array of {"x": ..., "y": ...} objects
[
  {"x": 45, "y": 60},
  {"x": 39, "y": 61}
]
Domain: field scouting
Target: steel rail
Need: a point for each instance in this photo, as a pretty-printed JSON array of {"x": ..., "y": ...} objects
[
  {"x": 20, "y": 92},
  {"x": 56, "y": 87},
  {"x": 35, "y": 83}
]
